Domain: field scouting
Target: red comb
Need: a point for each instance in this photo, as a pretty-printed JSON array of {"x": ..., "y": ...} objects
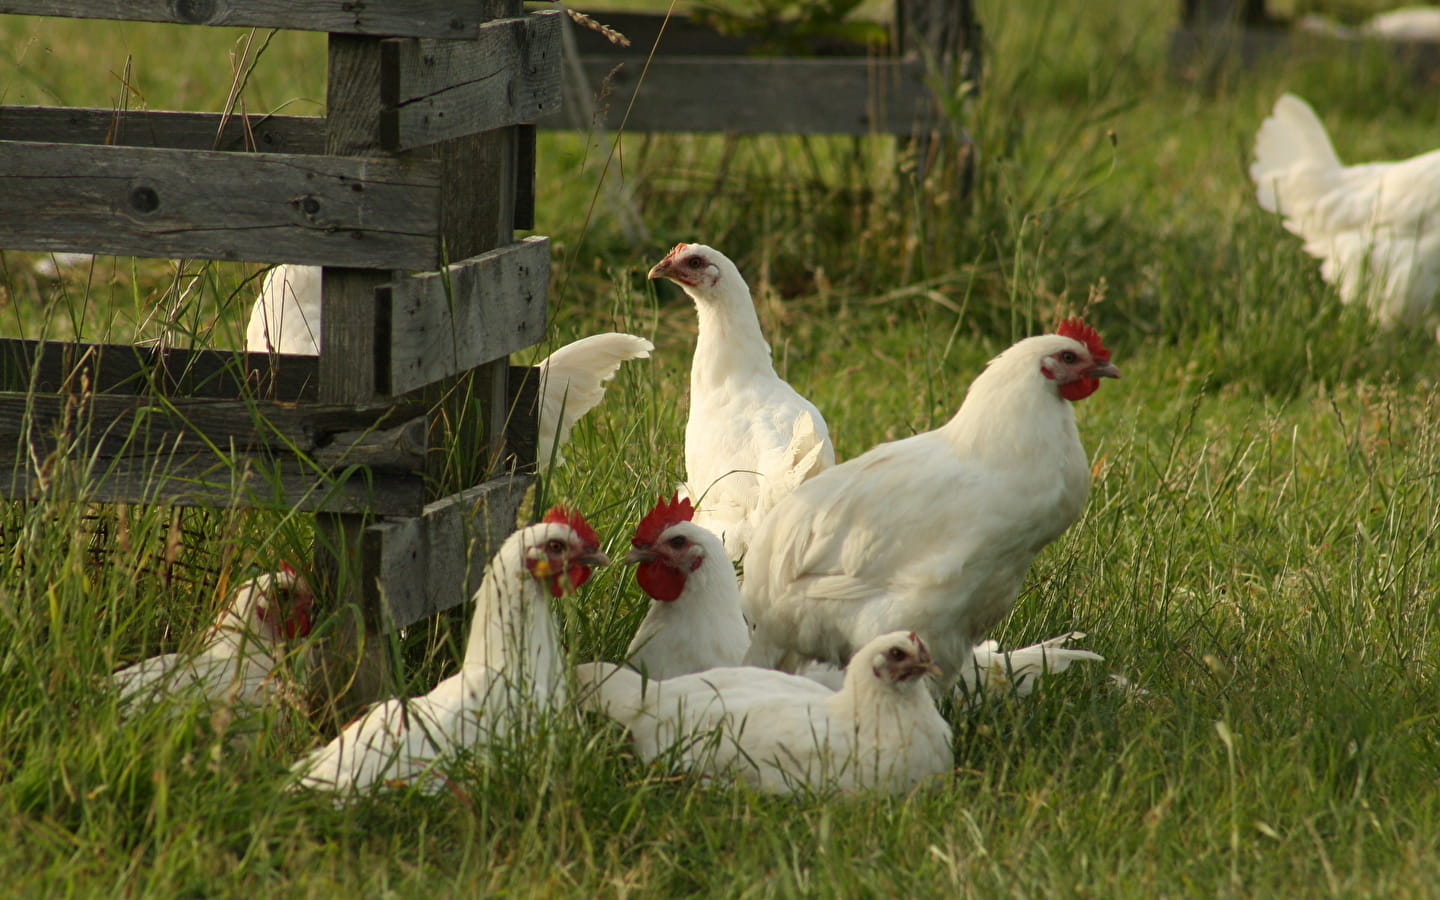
[
  {"x": 1076, "y": 329},
  {"x": 676, "y": 249},
  {"x": 565, "y": 515},
  {"x": 665, "y": 514}
]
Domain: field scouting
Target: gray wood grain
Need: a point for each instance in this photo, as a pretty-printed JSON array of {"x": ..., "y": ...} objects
[
  {"x": 456, "y": 19},
  {"x": 757, "y": 96},
  {"x": 437, "y": 90},
  {"x": 444, "y": 323},
  {"x": 259, "y": 481},
  {"x": 435, "y": 561},
  {"x": 160, "y": 128},
  {"x": 368, "y": 213},
  {"x": 48, "y": 366}
]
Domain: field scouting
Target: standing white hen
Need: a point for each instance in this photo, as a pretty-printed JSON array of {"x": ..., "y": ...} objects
[
  {"x": 933, "y": 533},
  {"x": 286, "y": 319},
  {"x": 1374, "y": 227},
  {"x": 781, "y": 732},
  {"x": 694, "y": 621},
  {"x": 750, "y": 438},
  {"x": 245, "y": 644},
  {"x": 512, "y": 669}
]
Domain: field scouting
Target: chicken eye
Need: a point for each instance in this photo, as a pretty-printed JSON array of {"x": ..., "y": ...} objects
[
  {"x": 896, "y": 654},
  {"x": 677, "y": 542},
  {"x": 694, "y": 262},
  {"x": 1069, "y": 358},
  {"x": 555, "y": 547}
]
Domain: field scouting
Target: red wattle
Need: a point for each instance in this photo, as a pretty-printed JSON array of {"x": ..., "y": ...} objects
[
  {"x": 660, "y": 581},
  {"x": 1079, "y": 389}
]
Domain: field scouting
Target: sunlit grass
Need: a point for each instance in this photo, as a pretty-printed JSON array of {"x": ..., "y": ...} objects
[{"x": 1258, "y": 554}]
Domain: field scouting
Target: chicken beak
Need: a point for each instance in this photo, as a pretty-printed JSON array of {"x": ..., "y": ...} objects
[
  {"x": 593, "y": 558},
  {"x": 639, "y": 555},
  {"x": 661, "y": 269},
  {"x": 1104, "y": 370}
]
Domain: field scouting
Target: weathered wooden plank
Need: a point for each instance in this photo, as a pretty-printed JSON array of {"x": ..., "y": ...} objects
[
  {"x": 211, "y": 480},
  {"x": 455, "y": 19},
  {"x": 160, "y": 128},
  {"x": 119, "y": 424},
  {"x": 444, "y": 323},
  {"x": 367, "y": 213},
  {"x": 49, "y": 366},
  {"x": 435, "y": 561},
  {"x": 437, "y": 90},
  {"x": 759, "y": 96}
]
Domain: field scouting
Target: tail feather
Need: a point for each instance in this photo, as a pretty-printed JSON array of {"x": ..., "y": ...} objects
[
  {"x": 1291, "y": 150},
  {"x": 573, "y": 383},
  {"x": 993, "y": 670}
]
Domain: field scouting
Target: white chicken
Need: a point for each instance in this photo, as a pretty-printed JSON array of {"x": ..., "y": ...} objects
[
  {"x": 240, "y": 654},
  {"x": 1375, "y": 227},
  {"x": 512, "y": 669},
  {"x": 933, "y": 533},
  {"x": 286, "y": 319},
  {"x": 781, "y": 733},
  {"x": 750, "y": 438},
  {"x": 694, "y": 622}
]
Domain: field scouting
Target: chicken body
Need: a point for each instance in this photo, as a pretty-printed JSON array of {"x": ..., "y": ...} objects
[
  {"x": 933, "y": 533},
  {"x": 780, "y": 732},
  {"x": 1375, "y": 227},
  {"x": 750, "y": 437},
  {"x": 512, "y": 671},
  {"x": 245, "y": 645}
]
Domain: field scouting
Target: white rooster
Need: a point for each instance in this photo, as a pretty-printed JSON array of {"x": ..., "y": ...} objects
[
  {"x": 241, "y": 652},
  {"x": 780, "y": 732},
  {"x": 694, "y": 621},
  {"x": 512, "y": 668},
  {"x": 1374, "y": 227},
  {"x": 933, "y": 533},
  {"x": 286, "y": 319},
  {"x": 750, "y": 438}
]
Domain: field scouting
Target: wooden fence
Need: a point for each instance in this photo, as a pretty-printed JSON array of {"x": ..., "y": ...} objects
[{"x": 423, "y": 163}]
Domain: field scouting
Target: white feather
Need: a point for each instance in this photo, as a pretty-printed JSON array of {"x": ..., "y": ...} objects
[{"x": 572, "y": 382}]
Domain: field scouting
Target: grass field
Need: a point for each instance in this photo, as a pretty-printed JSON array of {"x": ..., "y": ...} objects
[{"x": 1258, "y": 553}]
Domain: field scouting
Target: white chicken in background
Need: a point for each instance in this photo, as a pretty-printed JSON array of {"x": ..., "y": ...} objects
[
  {"x": 694, "y": 621},
  {"x": 780, "y": 733},
  {"x": 513, "y": 669},
  {"x": 1374, "y": 227},
  {"x": 750, "y": 438},
  {"x": 286, "y": 319},
  {"x": 244, "y": 646},
  {"x": 933, "y": 533}
]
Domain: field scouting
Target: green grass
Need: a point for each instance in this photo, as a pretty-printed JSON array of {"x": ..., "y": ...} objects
[{"x": 1259, "y": 550}]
